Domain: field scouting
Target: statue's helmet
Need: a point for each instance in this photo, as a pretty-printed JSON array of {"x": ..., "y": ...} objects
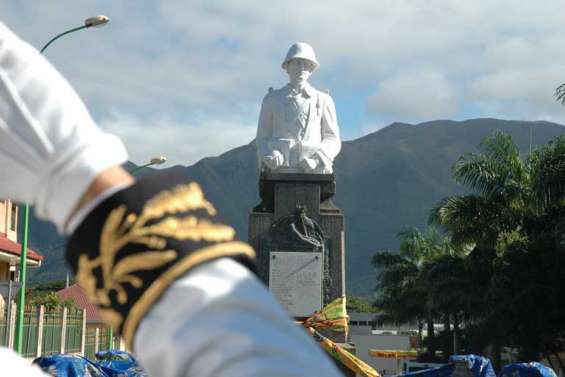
[{"x": 300, "y": 50}]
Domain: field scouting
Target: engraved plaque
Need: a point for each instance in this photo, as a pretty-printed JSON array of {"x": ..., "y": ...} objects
[{"x": 295, "y": 279}]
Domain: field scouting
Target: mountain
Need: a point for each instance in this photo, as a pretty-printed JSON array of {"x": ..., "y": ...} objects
[{"x": 386, "y": 181}]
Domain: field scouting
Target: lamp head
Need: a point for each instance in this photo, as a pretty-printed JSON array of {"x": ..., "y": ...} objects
[
  {"x": 158, "y": 160},
  {"x": 96, "y": 21}
]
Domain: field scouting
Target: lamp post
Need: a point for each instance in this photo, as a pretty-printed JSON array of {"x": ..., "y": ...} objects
[
  {"x": 158, "y": 160},
  {"x": 154, "y": 161},
  {"x": 94, "y": 21}
]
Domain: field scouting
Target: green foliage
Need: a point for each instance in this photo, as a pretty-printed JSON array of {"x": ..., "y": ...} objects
[
  {"x": 360, "y": 305},
  {"x": 510, "y": 289},
  {"x": 560, "y": 93},
  {"x": 507, "y": 241},
  {"x": 48, "y": 299},
  {"x": 54, "y": 285},
  {"x": 419, "y": 283},
  {"x": 498, "y": 273},
  {"x": 45, "y": 294}
]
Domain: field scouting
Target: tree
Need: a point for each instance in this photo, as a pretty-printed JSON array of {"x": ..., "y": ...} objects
[
  {"x": 513, "y": 218},
  {"x": 403, "y": 289},
  {"x": 560, "y": 93},
  {"x": 360, "y": 305},
  {"x": 45, "y": 294},
  {"x": 499, "y": 181}
]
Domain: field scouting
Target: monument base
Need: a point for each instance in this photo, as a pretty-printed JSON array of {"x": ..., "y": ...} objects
[{"x": 297, "y": 215}]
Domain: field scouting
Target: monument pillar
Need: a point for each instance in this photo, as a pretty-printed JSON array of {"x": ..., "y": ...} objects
[
  {"x": 298, "y": 234},
  {"x": 296, "y": 230}
]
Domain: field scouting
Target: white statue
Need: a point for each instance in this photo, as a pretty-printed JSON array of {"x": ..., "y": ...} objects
[{"x": 298, "y": 131}]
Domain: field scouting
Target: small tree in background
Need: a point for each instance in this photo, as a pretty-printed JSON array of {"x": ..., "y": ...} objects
[{"x": 560, "y": 93}]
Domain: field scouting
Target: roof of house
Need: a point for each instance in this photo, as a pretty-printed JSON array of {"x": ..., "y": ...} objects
[
  {"x": 76, "y": 293},
  {"x": 15, "y": 248}
]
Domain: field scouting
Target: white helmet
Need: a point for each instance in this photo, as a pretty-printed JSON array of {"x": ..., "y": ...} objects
[{"x": 300, "y": 50}]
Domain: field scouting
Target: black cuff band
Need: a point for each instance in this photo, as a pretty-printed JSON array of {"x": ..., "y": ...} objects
[{"x": 137, "y": 242}]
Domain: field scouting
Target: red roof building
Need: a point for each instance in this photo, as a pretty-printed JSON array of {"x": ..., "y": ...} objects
[
  {"x": 78, "y": 296},
  {"x": 10, "y": 249}
]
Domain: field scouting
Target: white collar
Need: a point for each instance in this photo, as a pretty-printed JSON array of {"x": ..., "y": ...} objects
[{"x": 308, "y": 90}]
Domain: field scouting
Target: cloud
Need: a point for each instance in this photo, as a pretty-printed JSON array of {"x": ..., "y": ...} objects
[
  {"x": 203, "y": 62},
  {"x": 415, "y": 96},
  {"x": 181, "y": 143}
]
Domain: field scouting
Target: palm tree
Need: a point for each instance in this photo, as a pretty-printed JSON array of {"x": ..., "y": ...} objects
[
  {"x": 560, "y": 93},
  {"x": 402, "y": 289},
  {"x": 514, "y": 215},
  {"x": 499, "y": 181}
]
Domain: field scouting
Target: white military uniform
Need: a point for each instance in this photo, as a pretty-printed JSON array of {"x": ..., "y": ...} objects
[
  {"x": 298, "y": 123},
  {"x": 218, "y": 319}
]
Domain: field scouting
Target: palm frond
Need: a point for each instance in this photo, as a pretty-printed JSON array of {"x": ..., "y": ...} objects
[
  {"x": 498, "y": 171},
  {"x": 548, "y": 173},
  {"x": 383, "y": 259},
  {"x": 476, "y": 172},
  {"x": 500, "y": 148},
  {"x": 468, "y": 218},
  {"x": 560, "y": 93}
]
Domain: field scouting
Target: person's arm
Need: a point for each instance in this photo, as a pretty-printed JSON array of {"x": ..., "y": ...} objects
[
  {"x": 51, "y": 148},
  {"x": 12, "y": 364},
  {"x": 220, "y": 321},
  {"x": 153, "y": 255}
]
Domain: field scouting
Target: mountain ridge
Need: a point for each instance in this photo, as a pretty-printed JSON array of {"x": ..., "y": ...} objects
[{"x": 386, "y": 180}]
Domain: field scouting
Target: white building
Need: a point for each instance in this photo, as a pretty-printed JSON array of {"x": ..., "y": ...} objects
[{"x": 368, "y": 331}]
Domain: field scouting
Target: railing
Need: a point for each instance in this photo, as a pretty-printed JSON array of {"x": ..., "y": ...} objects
[
  {"x": 60, "y": 330},
  {"x": 45, "y": 332},
  {"x": 97, "y": 340}
]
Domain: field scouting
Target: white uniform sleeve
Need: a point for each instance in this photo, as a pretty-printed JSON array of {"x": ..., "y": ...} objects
[
  {"x": 220, "y": 321},
  {"x": 12, "y": 364},
  {"x": 50, "y": 148},
  {"x": 217, "y": 320}
]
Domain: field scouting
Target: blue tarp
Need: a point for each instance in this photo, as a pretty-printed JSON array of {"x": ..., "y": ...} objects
[
  {"x": 479, "y": 366},
  {"x": 532, "y": 369},
  {"x": 61, "y": 365},
  {"x": 443, "y": 371},
  {"x": 113, "y": 363},
  {"x": 118, "y": 363}
]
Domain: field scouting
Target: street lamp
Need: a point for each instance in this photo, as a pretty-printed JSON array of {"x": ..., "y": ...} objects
[
  {"x": 95, "y": 21},
  {"x": 159, "y": 160}
]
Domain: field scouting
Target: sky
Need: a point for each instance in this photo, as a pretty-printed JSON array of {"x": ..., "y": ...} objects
[{"x": 185, "y": 79}]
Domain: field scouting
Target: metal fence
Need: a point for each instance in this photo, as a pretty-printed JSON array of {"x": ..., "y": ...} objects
[
  {"x": 45, "y": 332},
  {"x": 97, "y": 339}
]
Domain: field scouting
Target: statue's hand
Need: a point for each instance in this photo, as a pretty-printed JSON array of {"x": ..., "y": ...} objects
[
  {"x": 274, "y": 161},
  {"x": 309, "y": 164}
]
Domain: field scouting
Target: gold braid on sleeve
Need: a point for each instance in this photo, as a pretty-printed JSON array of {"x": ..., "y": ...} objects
[{"x": 137, "y": 242}]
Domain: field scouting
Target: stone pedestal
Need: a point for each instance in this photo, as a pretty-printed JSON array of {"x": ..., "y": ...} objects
[{"x": 304, "y": 199}]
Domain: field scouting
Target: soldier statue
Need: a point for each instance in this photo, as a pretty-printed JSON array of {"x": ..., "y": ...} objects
[{"x": 298, "y": 130}]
